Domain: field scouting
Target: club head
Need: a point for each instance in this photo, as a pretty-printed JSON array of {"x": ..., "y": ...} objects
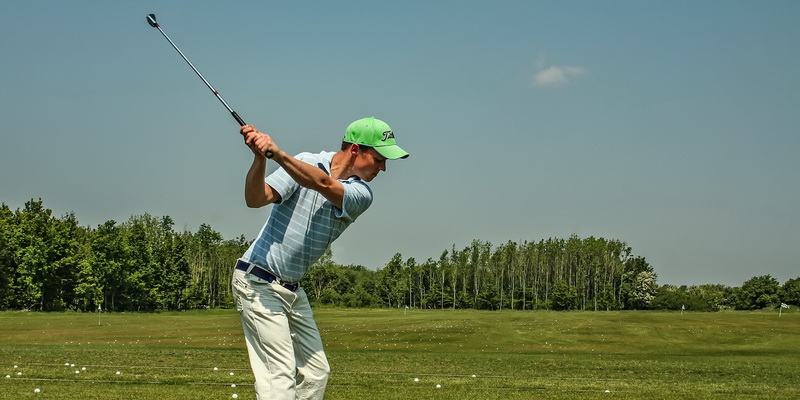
[{"x": 151, "y": 19}]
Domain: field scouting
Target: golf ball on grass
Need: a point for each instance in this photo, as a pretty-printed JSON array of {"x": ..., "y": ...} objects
[
  {"x": 235, "y": 396},
  {"x": 416, "y": 379},
  {"x": 438, "y": 386},
  {"x": 37, "y": 390}
]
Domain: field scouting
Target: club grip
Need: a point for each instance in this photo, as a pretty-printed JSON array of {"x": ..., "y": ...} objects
[
  {"x": 241, "y": 122},
  {"x": 238, "y": 118}
]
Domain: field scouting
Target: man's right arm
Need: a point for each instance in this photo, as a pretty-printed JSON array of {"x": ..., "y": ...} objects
[{"x": 256, "y": 192}]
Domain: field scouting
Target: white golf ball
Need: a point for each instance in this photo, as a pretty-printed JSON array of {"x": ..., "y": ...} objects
[
  {"x": 8, "y": 376},
  {"x": 37, "y": 390},
  {"x": 473, "y": 375},
  {"x": 438, "y": 386},
  {"x": 416, "y": 379},
  {"x": 216, "y": 369},
  {"x": 235, "y": 396},
  {"x": 83, "y": 369},
  {"x": 608, "y": 391},
  {"x": 118, "y": 372},
  {"x": 77, "y": 372},
  {"x": 231, "y": 374},
  {"x": 233, "y": 385},
  {"x": 19, "y": 373},
  {"x": 16, "y": 366}
]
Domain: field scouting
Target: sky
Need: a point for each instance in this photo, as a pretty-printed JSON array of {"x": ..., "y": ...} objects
[{"x": 670, "y": 126}]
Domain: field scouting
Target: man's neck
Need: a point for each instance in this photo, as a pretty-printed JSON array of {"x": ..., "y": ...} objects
[{"x": 341, "y": 165}]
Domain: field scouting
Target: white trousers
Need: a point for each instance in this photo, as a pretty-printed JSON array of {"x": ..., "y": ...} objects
[{"x": 283, "y": 342}]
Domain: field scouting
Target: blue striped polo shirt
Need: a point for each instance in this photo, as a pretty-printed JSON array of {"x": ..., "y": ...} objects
[{"x": 304, "y": 223}]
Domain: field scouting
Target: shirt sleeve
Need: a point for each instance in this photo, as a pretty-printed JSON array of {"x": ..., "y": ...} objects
[
  {"x": 282, "y": 182},
  {"x": 357, "y": 199}
]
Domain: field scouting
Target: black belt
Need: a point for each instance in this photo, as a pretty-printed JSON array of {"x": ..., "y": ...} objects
[{"x": 265, "y": 275}]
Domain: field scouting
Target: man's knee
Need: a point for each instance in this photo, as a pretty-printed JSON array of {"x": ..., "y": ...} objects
[{"x": 318, "y": 371}]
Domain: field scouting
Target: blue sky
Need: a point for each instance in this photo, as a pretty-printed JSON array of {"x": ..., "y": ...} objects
[{"x": 672, "y": 126}]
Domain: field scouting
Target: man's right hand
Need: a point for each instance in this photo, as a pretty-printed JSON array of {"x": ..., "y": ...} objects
[{"x": 260, "y": 143}]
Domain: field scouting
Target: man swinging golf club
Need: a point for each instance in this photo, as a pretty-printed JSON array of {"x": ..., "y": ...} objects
[{"x": 315, "y": 197}]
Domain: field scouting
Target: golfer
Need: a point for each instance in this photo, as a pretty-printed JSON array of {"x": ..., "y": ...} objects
[{"x": 315, "y": 197}]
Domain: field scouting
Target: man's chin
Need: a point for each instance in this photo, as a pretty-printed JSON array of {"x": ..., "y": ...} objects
[{"x": 369, "y": 178}]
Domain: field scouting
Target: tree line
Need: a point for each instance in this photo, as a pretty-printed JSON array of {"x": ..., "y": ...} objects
[
  {"x": 555, "y": 274},
  {"x": 53, "y": 263},
  {"x": 142, "y": 264}
]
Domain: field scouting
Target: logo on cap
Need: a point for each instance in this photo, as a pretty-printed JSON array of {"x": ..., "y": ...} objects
[{"x": 387, "y": 135}]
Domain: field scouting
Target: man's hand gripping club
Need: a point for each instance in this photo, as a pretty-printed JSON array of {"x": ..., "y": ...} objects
[{"x": 260, "y": 143}]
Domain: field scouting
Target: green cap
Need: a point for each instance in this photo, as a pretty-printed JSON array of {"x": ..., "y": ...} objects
[{"x": 374, "y": 133}]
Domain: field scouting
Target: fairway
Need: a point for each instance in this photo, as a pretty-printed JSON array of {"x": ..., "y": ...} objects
[{"x": 404, "y": 354}]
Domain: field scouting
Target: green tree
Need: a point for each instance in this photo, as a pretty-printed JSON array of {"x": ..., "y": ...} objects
[
  {"x": 9, "y": 231},
  {"x": 668, "y": 297},
  {"x": 89, "y": 288},
  {"x": 707, "y": 297},
  {"x": 638, "y": 286},
  {"x": 203, "y": 281},
  {"x": 393, "y": 282},
  {"x": 643, "y": 291},
  {"x": 172, "y": 265},
  {"x": 33, "y": 255},
  {"x": 68, "y": 249},
  {"x": 321, "y": 277},
  {"x": 488, "y": 297},
  {"x": 106, "y": 270},
  {"x": 790, "y": 292},
  {"x": 361, "y": 288},
  {"x": 759, "y": 292},
  {"x": 563, "y": 296}
]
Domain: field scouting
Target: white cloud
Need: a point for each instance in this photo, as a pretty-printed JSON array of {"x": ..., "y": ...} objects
[{"x": 557, "y": 75}]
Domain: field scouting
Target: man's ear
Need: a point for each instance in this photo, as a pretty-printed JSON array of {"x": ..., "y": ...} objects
[{"x": 354, "y": 149}]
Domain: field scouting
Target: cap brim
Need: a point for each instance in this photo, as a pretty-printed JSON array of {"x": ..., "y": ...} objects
[{"x": 392, "y": 152}]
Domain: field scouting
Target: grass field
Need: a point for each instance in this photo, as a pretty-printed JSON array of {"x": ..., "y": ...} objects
[{"x": 377, "y": 354}]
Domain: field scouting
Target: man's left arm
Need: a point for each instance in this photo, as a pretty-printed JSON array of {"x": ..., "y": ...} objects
[
  {"x": 306, "y": 175},
  {"x": 311, "y": 177}
]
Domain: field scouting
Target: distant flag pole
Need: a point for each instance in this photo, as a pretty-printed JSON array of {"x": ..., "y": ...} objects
[
  {"x": 683, "y": 307},
  {"x": 99, "y": 309},
  {"x": 780, "y": 310}
]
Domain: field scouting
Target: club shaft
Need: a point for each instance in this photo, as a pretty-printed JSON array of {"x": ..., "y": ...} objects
[
  {"x": 151, "y": 19},
  {"x": 216, "y": 93}
]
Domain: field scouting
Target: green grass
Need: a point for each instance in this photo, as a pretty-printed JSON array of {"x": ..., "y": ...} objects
[{"x": 376, "y": 354}]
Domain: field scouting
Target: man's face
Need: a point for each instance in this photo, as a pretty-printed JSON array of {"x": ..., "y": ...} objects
[{"x": 369, "y": 163}]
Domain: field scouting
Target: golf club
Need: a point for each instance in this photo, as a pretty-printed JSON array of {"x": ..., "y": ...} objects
[{"x": 151, "y": 19}]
